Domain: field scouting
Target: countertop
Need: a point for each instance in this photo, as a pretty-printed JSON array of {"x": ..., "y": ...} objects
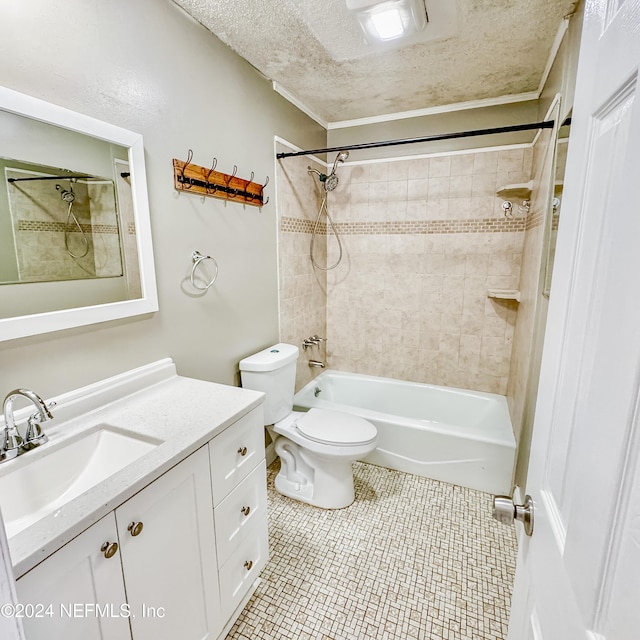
[{"x": 184, "y": 413}]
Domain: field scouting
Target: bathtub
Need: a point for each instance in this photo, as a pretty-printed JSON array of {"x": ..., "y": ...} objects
[{"x": 454, "y": 435}]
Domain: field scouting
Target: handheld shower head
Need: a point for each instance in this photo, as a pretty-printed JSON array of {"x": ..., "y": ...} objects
[{"x": 341, "y": 157}]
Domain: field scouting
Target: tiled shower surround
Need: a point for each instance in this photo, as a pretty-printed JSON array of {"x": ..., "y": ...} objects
[
  {"x": 40, "y": 222},
  {"x": 302, "y": 294},
  {"x": 424, "y": 239}
]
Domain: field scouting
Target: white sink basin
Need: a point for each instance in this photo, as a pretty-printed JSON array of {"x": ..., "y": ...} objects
[{"x": 44, "y": 479}]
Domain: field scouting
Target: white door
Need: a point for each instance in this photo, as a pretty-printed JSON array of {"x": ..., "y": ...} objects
[{"x": 578, "y": 576}]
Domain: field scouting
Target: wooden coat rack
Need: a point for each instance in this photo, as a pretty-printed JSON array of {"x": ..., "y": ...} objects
[{"x": 193, "y": 178}]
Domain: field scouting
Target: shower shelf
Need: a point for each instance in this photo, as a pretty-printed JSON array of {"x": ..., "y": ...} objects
[
  {"x": 521, "y": 191},
  {"x": 504, "y": 294}
]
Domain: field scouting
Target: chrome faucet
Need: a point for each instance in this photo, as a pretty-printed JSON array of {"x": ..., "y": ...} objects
[
  {"x": 13, "y": 444},
  {"x": 312, "y": 341}
]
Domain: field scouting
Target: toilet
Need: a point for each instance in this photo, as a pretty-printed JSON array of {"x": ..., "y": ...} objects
[{"x": 316, "y": 448}]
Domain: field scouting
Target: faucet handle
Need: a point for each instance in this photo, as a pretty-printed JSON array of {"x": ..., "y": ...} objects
[
  {"x": 35, "y": 435},
  {"x": 46, "y": 414},
  {"x": 317, "y": 339},
  {"x": 12, "y": 444}
]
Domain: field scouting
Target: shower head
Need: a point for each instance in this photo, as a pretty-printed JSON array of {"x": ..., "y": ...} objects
[
  {"x": 330, "y": 182},
  {"x": 341, "y": 157},
  {"x": 67, "y": 195}
]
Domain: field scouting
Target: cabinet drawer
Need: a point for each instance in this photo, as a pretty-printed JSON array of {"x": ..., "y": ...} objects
[
  {"x": 235, "y": 453},
  {"x": 241, "y": 569},
  {"x": 237, "y": 514}
]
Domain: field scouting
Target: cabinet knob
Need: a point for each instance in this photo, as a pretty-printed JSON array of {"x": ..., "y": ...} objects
[
  {"x": 248, "y": 564},
  {"x": 246, "y": 510},
  {"x": 135, "y": 528},
  {"x": 109, "y": 549},
  {"x": 242, "y": 451}
]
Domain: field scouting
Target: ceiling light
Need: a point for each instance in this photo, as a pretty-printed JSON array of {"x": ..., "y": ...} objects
[
  {"x": 387, "y": 20},
  {"x": 387, "y": 23}
]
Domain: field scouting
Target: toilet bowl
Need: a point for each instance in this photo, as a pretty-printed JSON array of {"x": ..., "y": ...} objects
[{"x": 316, "y": 448}]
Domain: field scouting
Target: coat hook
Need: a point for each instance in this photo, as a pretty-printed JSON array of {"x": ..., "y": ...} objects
[
  {"x": 247, "y": 194},
  {"x": 184, "y": 167},
  {"x": 266, "y": 182},
  {"x": 214, "y": 187},
  {"x": 231, "y": 177}
]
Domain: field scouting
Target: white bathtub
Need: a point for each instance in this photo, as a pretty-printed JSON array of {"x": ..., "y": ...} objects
[{"x": 457, "y": 436}]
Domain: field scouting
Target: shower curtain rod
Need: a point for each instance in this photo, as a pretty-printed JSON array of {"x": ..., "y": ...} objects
[
  {"x": 54, "y": 178},
  {"x": 547, "y": 124}
]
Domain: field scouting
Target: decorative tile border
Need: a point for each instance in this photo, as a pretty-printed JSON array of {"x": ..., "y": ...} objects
[
  {"x": 406, "y": 227},
  {"x": 296, "y": 225},
  {"x": 61, "y": 227},
  {"x": 534, "y": 220}
]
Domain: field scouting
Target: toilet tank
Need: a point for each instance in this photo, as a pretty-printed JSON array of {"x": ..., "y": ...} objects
[{"x": 272, "y": 371}]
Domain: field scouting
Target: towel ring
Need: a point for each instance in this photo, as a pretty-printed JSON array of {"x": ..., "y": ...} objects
[{"x": 197, "y": 258}]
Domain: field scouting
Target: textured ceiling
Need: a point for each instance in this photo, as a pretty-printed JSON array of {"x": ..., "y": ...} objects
[{"x": 315, "y": 51}]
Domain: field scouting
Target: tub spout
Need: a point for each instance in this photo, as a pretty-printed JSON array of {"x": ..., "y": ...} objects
[{"x": 316, "y": 363}]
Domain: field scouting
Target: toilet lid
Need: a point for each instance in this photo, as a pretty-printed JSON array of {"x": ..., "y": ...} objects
[{"x": 333, "y": 427}]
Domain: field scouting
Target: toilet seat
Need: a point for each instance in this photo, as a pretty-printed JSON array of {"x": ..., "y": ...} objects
[{"x": 335, "y": 428}]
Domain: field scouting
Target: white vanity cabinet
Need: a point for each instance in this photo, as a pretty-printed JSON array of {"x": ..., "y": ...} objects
[
  {"x": 238, "y": 474},
  {"x": 168, "y": 557},
  {"x": 172, "y": 572},
  {"x": 61, "y": 595}
]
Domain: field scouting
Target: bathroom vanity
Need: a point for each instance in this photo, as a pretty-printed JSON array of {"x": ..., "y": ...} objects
[{"x": 170, "y": 545}]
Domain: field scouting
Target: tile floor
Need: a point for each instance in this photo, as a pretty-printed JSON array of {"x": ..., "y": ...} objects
[{"x": 410, "y": 558}]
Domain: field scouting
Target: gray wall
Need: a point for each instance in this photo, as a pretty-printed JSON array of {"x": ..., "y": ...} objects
[
  {"x": 148, "y": 67},
  {"x": 434, "y": 124}
]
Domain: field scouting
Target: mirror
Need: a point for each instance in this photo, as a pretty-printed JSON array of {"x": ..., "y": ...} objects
[
  {"x": 562, "y": 145},
  {"x": 75, "y": 236}
]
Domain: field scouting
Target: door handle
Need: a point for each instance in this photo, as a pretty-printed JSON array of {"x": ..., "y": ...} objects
[{"x": 505, "y": 511}]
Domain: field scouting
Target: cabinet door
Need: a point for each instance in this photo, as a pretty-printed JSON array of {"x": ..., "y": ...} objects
[
  {"x": 170, "y": 567},
  {"x": 77, "y": 592}
]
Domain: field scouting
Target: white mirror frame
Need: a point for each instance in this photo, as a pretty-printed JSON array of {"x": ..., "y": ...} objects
[{"x": 29, "y": 325}]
